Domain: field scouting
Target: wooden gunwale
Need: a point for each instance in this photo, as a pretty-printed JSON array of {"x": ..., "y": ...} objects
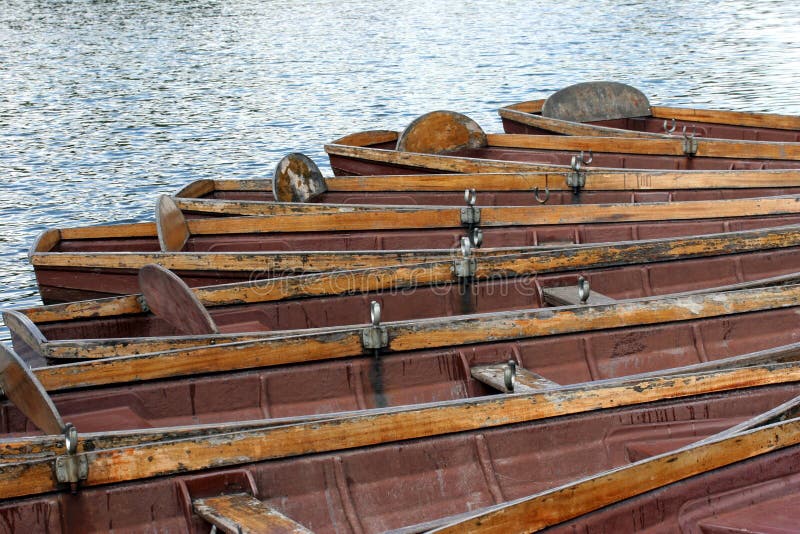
[
  {"x": 311, "y": 219},
  {"x": 613, "y": 180},
  {"x": 413, "y": 335},
  {"x": 306, "y": 219},
  {"x": 718, "y": 148},
  {"x": 362, "y": 430}
]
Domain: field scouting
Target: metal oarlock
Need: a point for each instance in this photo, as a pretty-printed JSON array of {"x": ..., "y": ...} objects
[
  {"x": 466, "y": 266},
  {"x": 470, "y": 215},
  {"x": 375, "y": 336},
  {"x": 690, "y": 141},
  {"x": 576, "y": 177},
  {"x": 71, "y": 468},
  {"x": 584, "y": 290},
  {"x": 476, "y": 237},
  {"x": 671, "y": 128},
  {"x": 546, "y": 195},
  {"x": 510, "y": 375}
]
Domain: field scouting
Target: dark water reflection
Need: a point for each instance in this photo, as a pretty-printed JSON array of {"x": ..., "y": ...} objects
[{"x": 105, "y": 104}]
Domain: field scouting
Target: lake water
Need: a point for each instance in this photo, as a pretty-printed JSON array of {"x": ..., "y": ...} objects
[{"x": 106, "y": 104}]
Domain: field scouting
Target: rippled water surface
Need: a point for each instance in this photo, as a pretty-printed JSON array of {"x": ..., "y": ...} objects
[{"x": 105, "y": 104}]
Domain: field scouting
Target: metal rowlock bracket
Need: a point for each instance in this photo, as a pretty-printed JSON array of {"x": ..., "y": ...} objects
[
  {"x": 671, "y": 128},
  {"x": 476, "y": 237},
  {"x": 471, "y": 215},
  {"x": 71, "y": 468},
  {"x": 510, "y": 375},
  {"x": 576, "y": 178},
  {"x": 690, "y": 141},
  {"x": 466, "y": 266},
  {"x": 374, "y": 337},
  {"x": 584, "y": 290}
]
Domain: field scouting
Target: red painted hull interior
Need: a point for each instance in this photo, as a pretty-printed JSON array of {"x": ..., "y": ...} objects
[
  {"x": 655, "y": 125},
  {"x": 65, "y": 284},
  {"x": 374, "y": 489},
  {"x": 637, "y": 280},
  {"x": 416, "y": 376}
]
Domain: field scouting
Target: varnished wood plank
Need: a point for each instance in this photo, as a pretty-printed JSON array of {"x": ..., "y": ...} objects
[
  {"x": 240, "y": 262},
  {"x": 131, "y": 463},
  {"x": 525, "y": 381},
  {"x": 406, "y": 217},
  {"x": 146, "y": 229},
  {"x": 735, "y": 118},
  {"x": 626, "y": 145},
  {"x": 241, "y": 513}
]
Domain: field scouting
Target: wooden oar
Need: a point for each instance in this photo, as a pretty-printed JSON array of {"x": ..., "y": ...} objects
[{"x": 22, "y": 388}]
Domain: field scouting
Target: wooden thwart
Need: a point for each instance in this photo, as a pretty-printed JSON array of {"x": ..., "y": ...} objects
[
  {"x": 525, "y": 381},
  {"x": 241, "y": 513}
]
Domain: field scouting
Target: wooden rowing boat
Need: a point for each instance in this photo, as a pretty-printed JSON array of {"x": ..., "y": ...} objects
[
  {"x": 494, "y": 189},
  {"x": 125, "y": 325},
  {"x": 610, "y": 109},
  {"x": 395, "y": 363},
  {"x": 91, "y": 262},
  {"x": 445, "y": 141},
  {"x": 341, "y": 474}
]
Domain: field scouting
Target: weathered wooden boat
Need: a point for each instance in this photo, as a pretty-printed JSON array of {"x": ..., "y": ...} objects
[
  {"x": 341, "y": 474},
  {"x": 407, "y": 362},
  {"x": 132, "y": 324},
  {"x": 303, "y": 182},
  {"x": 90, "y": 262},
  {"x": 611, "y": 109},
  {"x": 297, "y": 179},
  {"x": 739, "y": 480},
  {"x": 451, "y": 142}
]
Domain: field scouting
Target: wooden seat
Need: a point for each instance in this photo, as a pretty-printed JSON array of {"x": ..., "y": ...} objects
[{"x": 243, "y": 513}]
